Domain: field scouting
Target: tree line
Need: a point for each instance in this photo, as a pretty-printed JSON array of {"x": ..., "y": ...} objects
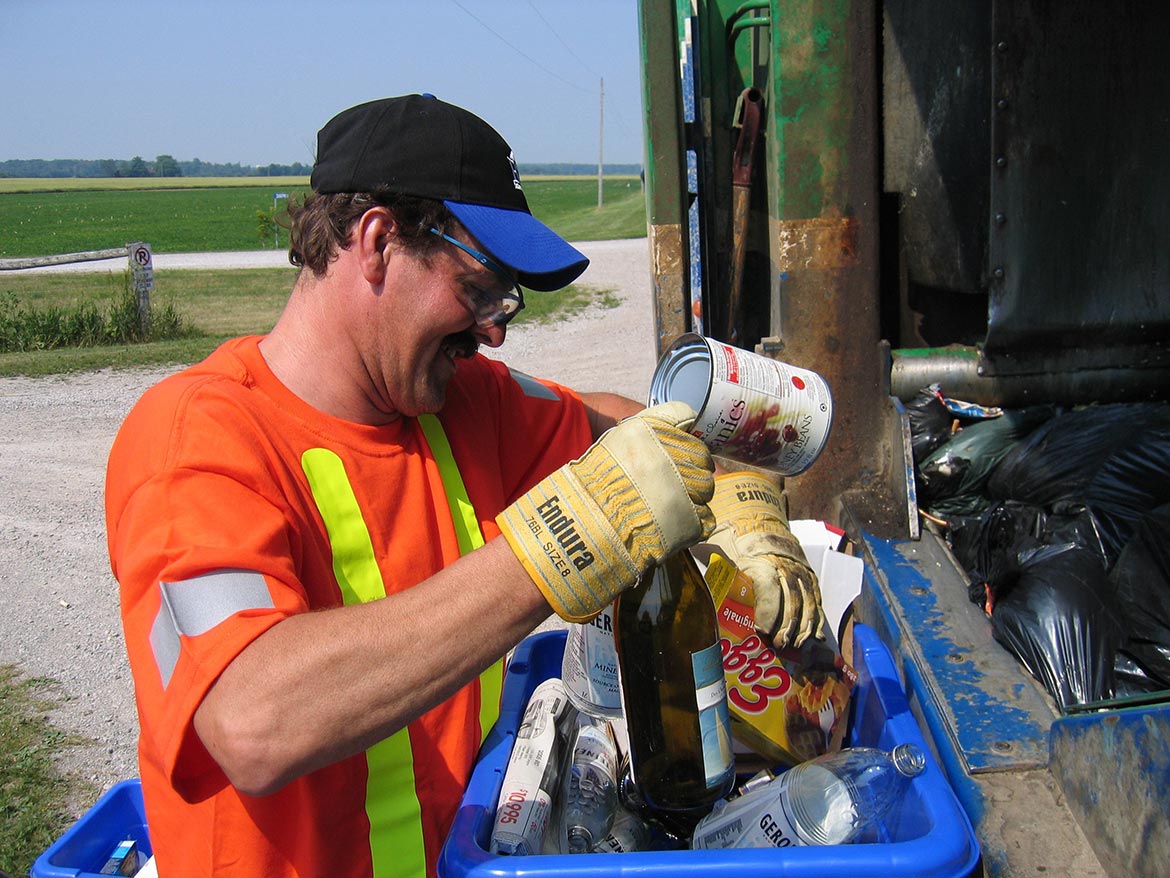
[
  {"x": 162, "y": 166},
  {"x": 169, "y": 166}
]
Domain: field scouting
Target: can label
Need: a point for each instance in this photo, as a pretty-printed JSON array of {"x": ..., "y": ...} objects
[{"x": 751, "y": 408}]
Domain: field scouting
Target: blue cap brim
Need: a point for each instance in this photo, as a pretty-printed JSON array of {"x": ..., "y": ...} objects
[{"x": 541, "y": 258}]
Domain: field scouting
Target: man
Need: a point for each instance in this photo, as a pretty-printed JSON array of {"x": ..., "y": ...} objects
[{"x": 306, "y": 527}]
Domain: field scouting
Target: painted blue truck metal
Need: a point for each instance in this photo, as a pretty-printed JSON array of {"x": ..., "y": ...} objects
[{"x": 975, "y": 193}]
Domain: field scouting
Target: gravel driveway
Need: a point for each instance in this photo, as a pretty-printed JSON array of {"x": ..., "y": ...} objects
[{"x": 60, "y": 617}]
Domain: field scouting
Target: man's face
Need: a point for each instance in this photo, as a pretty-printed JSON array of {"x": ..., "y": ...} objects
[{"x": 429, "y": 318}]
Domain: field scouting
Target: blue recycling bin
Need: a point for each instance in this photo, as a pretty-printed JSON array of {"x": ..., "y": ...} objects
[
  {"x": 930, "y": 835},
  {"x": 84, "y": 848}
]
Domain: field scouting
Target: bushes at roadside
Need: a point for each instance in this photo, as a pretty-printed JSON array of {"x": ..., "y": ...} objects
[{"x": 25, "y": 328}]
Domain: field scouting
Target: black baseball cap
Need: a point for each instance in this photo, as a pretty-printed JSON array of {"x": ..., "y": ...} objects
[{"x": 419, "y": 145}]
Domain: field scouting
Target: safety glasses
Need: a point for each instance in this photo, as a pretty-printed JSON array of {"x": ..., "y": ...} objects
[{"x": 491, "y": 308}]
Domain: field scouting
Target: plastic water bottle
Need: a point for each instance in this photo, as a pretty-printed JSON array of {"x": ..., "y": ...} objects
[
  {"x": 628, "y": 833},
  {"x": 590, "y": 789},
  {"x": 828, "y": 800},
  {"x": 589, "y": 667}
]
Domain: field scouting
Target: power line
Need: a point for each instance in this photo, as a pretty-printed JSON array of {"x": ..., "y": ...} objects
[
  {"x": 617, "y": 116},
  {"x": 568, "y": 48},
  {"x": 518, "y": 51}
]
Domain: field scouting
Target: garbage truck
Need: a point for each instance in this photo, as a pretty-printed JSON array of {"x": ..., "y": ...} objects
[{"x": 968, "y": 199}]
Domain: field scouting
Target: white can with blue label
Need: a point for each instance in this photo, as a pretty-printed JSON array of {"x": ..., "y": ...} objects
[{"x": 751, "y": 408}]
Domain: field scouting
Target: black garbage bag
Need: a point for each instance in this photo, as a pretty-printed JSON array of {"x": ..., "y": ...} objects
[
  {"x": 930, "y": 422},
  {"x": 951, "y": 479},
  {"x": 986, "y": 545},
  {"x": 1141, "y": 584},
  {"x": 1132, "y": 679},
  {"x": 980, "y": 543},
  {"x": 1054, "y": 610},
  {"x": 1111, "y": 458}
]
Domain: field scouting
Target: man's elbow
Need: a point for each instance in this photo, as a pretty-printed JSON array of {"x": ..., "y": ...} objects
[{"x": 246, "y": 753}]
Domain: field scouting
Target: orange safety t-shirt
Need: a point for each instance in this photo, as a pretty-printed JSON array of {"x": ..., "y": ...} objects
[{"x": 231, "y": 504}]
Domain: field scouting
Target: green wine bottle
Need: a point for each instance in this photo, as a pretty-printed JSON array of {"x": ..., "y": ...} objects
[{"x": 673, "y": 689}]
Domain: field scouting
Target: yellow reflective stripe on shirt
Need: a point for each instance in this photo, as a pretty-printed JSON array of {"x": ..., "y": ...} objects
[
  {"x": 470, "y": 536},
  {"x": 392, "y": 807},
  {"x": 462, "y": 514},
  {"x": 354, "y": 564}
]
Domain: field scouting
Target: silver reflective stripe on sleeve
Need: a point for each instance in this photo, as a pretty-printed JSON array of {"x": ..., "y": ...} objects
[
  {"x": 531, "y": 387},
  {"x": 196, "y": 605}
]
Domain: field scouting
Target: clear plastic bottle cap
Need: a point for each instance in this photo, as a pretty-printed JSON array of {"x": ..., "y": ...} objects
[
  {"x": 580, "y": 840},
  {"x": 909, "y": 759}
]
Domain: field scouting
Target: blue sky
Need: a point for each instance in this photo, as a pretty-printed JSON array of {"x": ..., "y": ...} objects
[{"x": 251, "y": 81}]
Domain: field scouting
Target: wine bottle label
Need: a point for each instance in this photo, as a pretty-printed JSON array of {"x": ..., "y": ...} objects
[{"x": 714, "y": 719}]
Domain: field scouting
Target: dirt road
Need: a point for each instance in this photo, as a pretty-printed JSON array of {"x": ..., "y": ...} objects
[{"x": 60, "y": 617}]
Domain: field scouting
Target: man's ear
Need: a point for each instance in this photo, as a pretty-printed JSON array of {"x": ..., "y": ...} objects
[{"x": 374, "y": 235}]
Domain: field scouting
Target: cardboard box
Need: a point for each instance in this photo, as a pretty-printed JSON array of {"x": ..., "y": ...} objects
[
  {"x": 123, "y": 860},
  {"x": 787, "y": 707}
]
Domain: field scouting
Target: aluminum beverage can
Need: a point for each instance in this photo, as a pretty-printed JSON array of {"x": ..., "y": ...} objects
[{"x": 751, "y": 408}]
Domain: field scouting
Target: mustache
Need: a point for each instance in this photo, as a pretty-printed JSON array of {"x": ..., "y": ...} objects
[{"x": 461, "y": 345}]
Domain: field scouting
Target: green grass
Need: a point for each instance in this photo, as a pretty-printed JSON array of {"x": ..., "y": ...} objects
[
  {"x": 219, "y": 214},
  {"x": 170, "y": 220},
  {"x": 35, "y": 794},
  {"x": 215, "y": 305},
  {"x": 178, "y": 215},
  {"x": 569, "y": 206}
]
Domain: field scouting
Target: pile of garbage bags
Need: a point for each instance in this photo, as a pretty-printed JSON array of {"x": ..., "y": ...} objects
[{"x": 1060, "y": 517}]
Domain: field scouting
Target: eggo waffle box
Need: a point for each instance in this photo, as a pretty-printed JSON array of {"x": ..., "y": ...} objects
[{"x": 790, "y": 706}]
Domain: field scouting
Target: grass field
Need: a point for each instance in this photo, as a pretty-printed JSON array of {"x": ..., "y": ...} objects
[
  {"x": 178, "y": 215},
  {"x": 33, "y": 811},
  {"x": 217, "y": 305},
  {"x": 10, "y": 185},
  {"x": 219, "y": 214}
]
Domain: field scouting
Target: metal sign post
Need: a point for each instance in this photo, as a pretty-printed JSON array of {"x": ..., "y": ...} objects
[
  {"x": 142, "y": 276},
  {"x": 276, "y": 196}
]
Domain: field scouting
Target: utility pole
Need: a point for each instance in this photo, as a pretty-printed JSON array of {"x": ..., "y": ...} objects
[{"x": 600, "y": 142}]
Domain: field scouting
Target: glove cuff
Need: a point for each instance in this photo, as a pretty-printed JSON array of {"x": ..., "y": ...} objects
[
  {"x": 747, "y": 496},
  {"x": 579, "y": 567}
]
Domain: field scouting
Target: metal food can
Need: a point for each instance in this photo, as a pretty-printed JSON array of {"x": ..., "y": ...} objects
[{"x": 751, "y": 408}]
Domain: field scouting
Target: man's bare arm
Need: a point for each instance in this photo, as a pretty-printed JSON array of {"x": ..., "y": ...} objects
[
  {"x": 322, "y": 686},
  {"x": 607, "y": 409}
]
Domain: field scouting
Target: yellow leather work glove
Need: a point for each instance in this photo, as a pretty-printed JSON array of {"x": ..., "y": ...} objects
[
  {"x": 639, "y": 494},
  {"x": 752, "y": 532}
]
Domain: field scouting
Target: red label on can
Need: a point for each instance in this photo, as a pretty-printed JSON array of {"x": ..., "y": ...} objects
[
  {"x": 732, "y": 365},
  {"x": 750, "y": 407}
]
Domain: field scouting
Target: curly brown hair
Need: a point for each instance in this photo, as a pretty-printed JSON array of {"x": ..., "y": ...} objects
[{"x": 319, "y": 226}]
